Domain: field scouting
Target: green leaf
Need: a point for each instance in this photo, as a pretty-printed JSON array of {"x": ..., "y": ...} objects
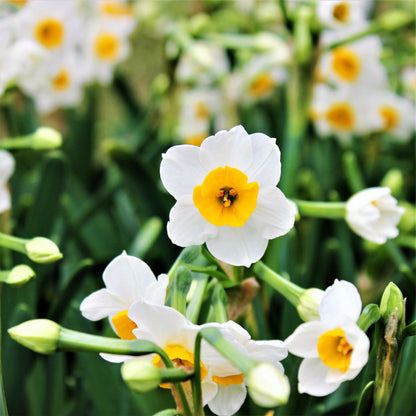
[{"x": 366, "y": 400}]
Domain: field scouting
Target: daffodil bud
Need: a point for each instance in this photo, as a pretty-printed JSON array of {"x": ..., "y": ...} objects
[
  {"x": 267, "y": 385},
  {"x": 42, "y": 250},
  {"x": 392, "y": 300},
  {"x": 308, "y": 307},
  {"x": 39, "y": 335},
  {"x": 45, "y": 138},
  {"x": 19, "y": 275},
  {"x": 141, "y": 375},
  {"x": 393, "y": 180},
  {"x": 393, "y": 19}
]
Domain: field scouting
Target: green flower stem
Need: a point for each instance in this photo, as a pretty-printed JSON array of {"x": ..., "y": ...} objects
[
  {"x": 353, "y": 172},
  {"x": 205, "y": 252},
  {"x": 330, "y": 210},
  {"x": 13, "y": 243},
  {"x": 21, "y": 142},
  {"x": 174, "y": 375},
  {"x": 210, "y": 270},
  {"x": 3, "y": 406},
  {"x": 198, "y": 293},
  {"x": 187, "y": 255},
  {"x": 389, "y": 21},
  {"x": 181, "y": 283},
  {"x": 226, "y": 349},
  {"x": 196, "y": 381},
  {"x": 286, "y": 288},
  {"x": 399, "y": 259}
]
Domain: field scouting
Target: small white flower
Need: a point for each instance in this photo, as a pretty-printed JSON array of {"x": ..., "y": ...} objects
[
  {"x": 408, "y": 77},
  {"x": 334, "y": 348},
  {"x": 202, "y": 63},
  {"x": 344, "y": 112},
  {"x": 373, "y": 214},
  {"x": 6, "y": 170},
  {"x": 341, "y": 13},
  {"x": 398, "y": 114},
  {"x": 226, "y": 195},
  {"x": 356, "y": 63},
  {"x": 229, "y": 382},
  {"x": 127, "y": 280}
]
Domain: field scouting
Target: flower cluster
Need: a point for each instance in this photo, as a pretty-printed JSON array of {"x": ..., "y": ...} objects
[{"x": 52, "y": 49}]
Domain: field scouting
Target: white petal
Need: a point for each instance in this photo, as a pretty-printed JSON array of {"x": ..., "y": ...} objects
[
  {"x": 156, "y": 292},
  {"x": 304, "y": 341},
  {"x": 209, "y": 390},
  {"x": 228, "y": 399},
  {"x": 186, "y": 226},
  {"x": 274, "y": 214},
  {"x": 5, "y": 201},
  {"x": 361, "y": 344},
  {"x": 340, "y": 300},
  {"x": 265, "y": 167},
  {"x": 239, "y": 246},
  {"x": 113, "y": 358},
  {"x": 312, "y": 378},
  {"x": 180, "y": 170},
  {"x": 127, "y": 277},
  {"x": 101, "y": 304},
  {"x": 268, "y": 351},
  {"x": 227, "y": 148}
]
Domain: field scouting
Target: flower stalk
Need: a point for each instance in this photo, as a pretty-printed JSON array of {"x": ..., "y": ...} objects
[{"x": 329, "y": 210}]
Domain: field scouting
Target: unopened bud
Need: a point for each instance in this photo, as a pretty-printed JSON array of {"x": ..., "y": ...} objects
[
  {"x": 19, "y": 275},
  {"x": 393, "y": 180},
  {"x": 46, "y": 138},
  {"x": 141, "y": 375},
  {"x": 39, "y": 335},
  {"x": 267, "y": 385},
  {"x": 391, "y": 301},
  {"x": 42, "y": 250},
  {"x": 308, "y": 307}
]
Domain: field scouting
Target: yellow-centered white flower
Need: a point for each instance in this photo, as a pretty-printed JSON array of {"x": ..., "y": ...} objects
[
  {"x": 334, "y": 348},
  {"x": 127, "y": 280},
  {"x": 374, "y": 214},
  {"x": 226, "y": 195},
  {"x": 227, "y": 381},
  {"x": 336, "y": 14},
  {"x": 6, "y": 170}
]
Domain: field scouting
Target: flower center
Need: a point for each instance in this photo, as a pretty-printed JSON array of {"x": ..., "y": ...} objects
[
  {"x": 341, "y": 12},
  {"x": 346, "y": 64},
  {"x": 341, "y": 116},
  {"x": 334, "y": 350},
  {"x": 50, "y": 33},
  {"x": 225, "y": 197},
  {"x": 196, "y": 139},
  {"x": 262, "y": 85},
  {"x": 61, "y": 81},
  {"x": 390, "y": 117},
  {"x": 107, "y": 46},
  {"x": 115, "y": 8},
  {"x": 226, "y": 381},
  {"x": 201, "y": 110},
  {"x": 181, "y": 358},
  {"x": 124, "y": 325}
]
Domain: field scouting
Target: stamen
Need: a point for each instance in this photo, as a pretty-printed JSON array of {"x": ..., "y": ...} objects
[{"x": 226, "y": 196}]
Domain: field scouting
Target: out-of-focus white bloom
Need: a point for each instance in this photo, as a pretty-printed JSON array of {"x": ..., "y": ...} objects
[
  {"x": 373, "y": 214},
  {"x": 62, "y": 83},
  {"x": 106, "y": 45},
  {"x": 259, "y": 77},
  {"x": 398, "y": 114},
  {"x": 356, "y": 63},
  {"x": 409, "y": 80},
  {"x": 53, "y": 24},
  {"x": 341, "y": 13},
  {"x": 202, "y": 63},
  {"x": 199, "y": 109},
  {"x": 344, "y": 112},
  {"x": 228, "y": 382},
  {"x": 226, "y": 195},
  {"x": 6, "y": 170},
  {"x": 127, "y": 280},
  {"x": 334, "y": 348}
]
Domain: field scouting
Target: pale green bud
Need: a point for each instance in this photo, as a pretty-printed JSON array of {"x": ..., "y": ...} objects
[
  {"x": 393, "y": 20},
  {"x": 393, "y": 180},
  {"x": 42, "y": 250},
  {"x": 391, "y": 301},
  {"x": 46, "y": 138},
  {"x": 308, "y": 307},
  {"x": 19, "y": 275},
  {"x": 39, "y": 335},
  {"x": 141, "y": 375},
  {"x": 267, "y": 385}
]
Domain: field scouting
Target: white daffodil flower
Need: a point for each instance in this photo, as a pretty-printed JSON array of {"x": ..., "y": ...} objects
[
  {"x": 229, "y": 382},
  {"x": 373, "y": 214},
  {"x": 357, "y": 63},
  {"x": 226, "y": 195},
  {"x": 127, "y": 280},
  {"x": 6, "y": 170},
  {"x": 334, "y": 348},
  {"x": 336, "y": 14}
]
